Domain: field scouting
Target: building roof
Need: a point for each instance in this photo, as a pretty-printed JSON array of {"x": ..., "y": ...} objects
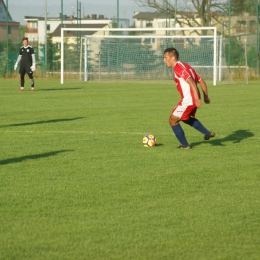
[
  {"x": 10, "y": 23},
  {"x": 33, "y": 18},
  {"x": 65, "y": 18},
  {"x": 57, "y": 31},
  {"x": 149, "y": 15},
  {"x": 5, "y": 9},
  {"x": 42, "y": 18}
]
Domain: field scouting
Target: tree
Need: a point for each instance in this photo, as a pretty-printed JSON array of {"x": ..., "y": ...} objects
[
  {"x": 53, "y": 55},
  {"x": 22, "y": 30},
  {"x": 243, "y": 6},
  {"x": 7, "y": 63},
  {"x": 193, "y": 13},
  {"x": 252, "y": 57},
  {"x": 237, "y": 57}
]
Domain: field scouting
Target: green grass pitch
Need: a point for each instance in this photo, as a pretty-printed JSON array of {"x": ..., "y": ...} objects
[{"x": 76, "y": 183}]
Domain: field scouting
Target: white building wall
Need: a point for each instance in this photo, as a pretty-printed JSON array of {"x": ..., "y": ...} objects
[
  {"x": 41, "y": 29},
  {"x": 54, "y": 24},
  {"x": 124, "y": 23}
]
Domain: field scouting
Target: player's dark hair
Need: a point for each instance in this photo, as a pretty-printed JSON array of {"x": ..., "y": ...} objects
[
  {"x": 172, "y": 51},
  {"x": 24, "y": 38}
]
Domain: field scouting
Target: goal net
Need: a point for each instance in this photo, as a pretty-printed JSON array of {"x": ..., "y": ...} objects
[{"x": 135, "y": 54}]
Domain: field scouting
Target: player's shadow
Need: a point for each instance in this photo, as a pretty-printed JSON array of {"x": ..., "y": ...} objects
[
  {"x": 32, "y": 157},
  {"x": 57, "y": 89},
  {"x": 236, "y": 137},
  {"x": 43, "y": 122}
]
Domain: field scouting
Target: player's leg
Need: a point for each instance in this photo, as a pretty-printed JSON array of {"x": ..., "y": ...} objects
[
  {"x": 31, "y": 82},
  {"x": 30, "y": 74},
  {"x": 195, "y": 123},
  {"x": 177, "y": 129},
  {"x": 22, "y": 74}
]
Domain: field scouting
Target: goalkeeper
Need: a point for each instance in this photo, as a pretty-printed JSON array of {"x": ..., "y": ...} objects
[{"x": 28, "y": 63}]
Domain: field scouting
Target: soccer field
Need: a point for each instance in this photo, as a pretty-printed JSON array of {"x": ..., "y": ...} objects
[{"x": 76, "y": 182}]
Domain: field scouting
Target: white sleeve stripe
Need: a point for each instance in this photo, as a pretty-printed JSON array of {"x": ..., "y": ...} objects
[
  {"x": 19, "y": 58},
  {"x": 33, "y": 58}
]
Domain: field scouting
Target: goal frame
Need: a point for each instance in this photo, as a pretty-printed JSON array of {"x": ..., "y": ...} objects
[{"x": 213, "y": 28}]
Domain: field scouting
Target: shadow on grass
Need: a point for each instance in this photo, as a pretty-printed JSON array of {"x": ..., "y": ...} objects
[
  {"x": 43, "y": 122},
  {"x": 235, "y": 137},
  {"x": 57, "y": 89},
  {"x": 31, "y": 157},
  {"x": 159, "y": 144}
]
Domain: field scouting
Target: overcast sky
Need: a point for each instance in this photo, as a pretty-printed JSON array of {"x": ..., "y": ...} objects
[{"x": 20, "y": 8}]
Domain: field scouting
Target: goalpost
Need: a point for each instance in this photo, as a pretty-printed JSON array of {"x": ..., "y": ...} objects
[{"x": 136, "y": 53}]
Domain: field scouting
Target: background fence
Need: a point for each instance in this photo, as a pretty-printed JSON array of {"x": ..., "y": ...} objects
[{"x": 237, "y": 23}]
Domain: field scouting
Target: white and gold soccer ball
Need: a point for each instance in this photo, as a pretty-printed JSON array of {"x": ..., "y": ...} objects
[{"x": 149, "y": 140}]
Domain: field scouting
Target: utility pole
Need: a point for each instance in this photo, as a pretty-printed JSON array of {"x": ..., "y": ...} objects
[
  {"x": 257, "y": 38},
  {"x": 117, "y": 49},
  {"x": 77, "y": 14},
  {"x": 7, "y": 36},
  {"x": 175, "y": 13},
  {"x": 78, "y": 24},
  {"x": 117, "y": 14},
  {"x": 45, "y": 37},
  {"x": 229, "y": 36},
  {"x": 61, "y": 14},
  {"x": 166, "y": 15}
]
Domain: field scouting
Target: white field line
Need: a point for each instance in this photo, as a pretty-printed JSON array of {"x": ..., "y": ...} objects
[
  {"x": 80, "y": 132},
  {"x": 120, "y": 133}
]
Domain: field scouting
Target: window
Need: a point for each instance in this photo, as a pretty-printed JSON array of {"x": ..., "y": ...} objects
[
  {"x": 252, "y": 26},
  {"x": 241, "y": 26},
  {"x": 32, "y": 38},
  {"x": 48, "y": 27},
  {"x": 34, "y": 25},
  {"x": 149, "y": 24}
]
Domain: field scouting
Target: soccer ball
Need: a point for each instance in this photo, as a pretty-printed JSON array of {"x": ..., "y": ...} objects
[{"x": 149, "y": 140}]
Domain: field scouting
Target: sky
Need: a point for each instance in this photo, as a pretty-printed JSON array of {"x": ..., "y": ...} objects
[{"x": 20, "y": 8}]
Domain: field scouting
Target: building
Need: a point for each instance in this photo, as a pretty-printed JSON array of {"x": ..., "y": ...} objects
[
  {"x": 13, "y": 27},
  {"x": 36, "y": 30},
  {"x": 158, "y": 20},
  {"x": 35, "y": 26},
  {"x": 244, "y": 27},
  {"x": 72, "y": 35}
]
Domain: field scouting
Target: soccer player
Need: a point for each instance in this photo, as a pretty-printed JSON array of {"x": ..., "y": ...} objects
[
  {"x": 186, "y": 80},
  {"x": 28, "y": 63}
]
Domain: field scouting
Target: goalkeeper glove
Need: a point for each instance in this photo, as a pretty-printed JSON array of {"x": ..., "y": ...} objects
[
  {"x": 33, "y": 67},
  {"x": 15, "y": 66}
]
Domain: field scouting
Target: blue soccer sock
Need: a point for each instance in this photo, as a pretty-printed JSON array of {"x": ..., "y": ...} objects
[
  {"x": 198, "y": 125},
  {"x": 179, "y": 133}
]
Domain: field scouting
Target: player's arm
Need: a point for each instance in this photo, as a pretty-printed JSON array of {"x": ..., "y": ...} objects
[
  {"x": 33, "y": 67},
  {"x": 194, "y": 90},
  {"x": 204, "y": 88},
  {"x": 18, "y": 60}
]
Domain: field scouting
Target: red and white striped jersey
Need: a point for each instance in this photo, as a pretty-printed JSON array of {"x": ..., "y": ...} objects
[{"x": 183, "y": 71}]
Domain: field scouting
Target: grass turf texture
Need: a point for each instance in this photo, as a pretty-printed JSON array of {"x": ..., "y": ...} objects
[{"x": 76, "y": 182}]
